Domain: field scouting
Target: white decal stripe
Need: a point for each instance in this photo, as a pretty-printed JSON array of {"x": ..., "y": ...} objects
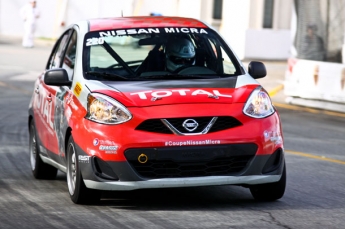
[{"x": 244, "y": 80}]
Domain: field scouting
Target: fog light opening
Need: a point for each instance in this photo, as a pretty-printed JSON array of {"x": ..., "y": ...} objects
[
  {"x": 103, "y": 170},
  {"x": 274, "y": 162}
]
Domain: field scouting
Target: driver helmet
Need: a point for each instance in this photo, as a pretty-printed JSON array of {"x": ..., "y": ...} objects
[{"x": 179, "y": 52}]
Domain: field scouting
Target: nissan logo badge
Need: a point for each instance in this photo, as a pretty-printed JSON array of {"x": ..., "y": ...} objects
[{"x": 190, "y": 124}]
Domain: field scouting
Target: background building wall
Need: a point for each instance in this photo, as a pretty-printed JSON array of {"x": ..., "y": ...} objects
[
  {"x": 145, "y": 7},
  {"x": 11, "y": 22},
  {"x": 57, "y": 14},
  {"x": 243, "y": 29},
  {"x": 241, "y": 23},
  {"x": 234, "y": 25}
]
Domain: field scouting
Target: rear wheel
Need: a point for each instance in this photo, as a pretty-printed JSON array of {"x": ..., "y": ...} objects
[
  {"x": 79, "y": 193},
  {"x": 39, "y": 169},
  {"x": 270, "y": 191}
]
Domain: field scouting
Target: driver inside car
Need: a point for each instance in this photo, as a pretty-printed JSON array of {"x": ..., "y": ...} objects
[{"x": 179, "y": 53}]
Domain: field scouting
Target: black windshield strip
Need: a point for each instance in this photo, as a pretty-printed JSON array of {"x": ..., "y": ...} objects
[
  {"x": 106, "y": 75},
  {"x": 117, "y": 58}
]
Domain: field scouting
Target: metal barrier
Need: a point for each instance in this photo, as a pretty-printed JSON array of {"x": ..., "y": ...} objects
[{"x": 315, "y": 81}]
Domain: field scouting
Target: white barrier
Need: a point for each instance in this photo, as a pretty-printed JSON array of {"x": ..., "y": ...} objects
[{"x": 315, "y": 80}]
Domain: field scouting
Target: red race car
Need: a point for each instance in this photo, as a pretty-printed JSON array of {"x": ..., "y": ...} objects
[{"x": 153, "y": 102}]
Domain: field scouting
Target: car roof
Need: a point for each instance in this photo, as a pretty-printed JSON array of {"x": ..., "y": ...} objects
[{"x": 99, "y": 24}]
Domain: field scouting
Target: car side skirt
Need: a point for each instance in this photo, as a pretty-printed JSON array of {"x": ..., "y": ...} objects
[{"x": 53, "y": 163}]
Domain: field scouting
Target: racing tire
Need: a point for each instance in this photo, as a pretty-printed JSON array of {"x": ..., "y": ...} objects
[
  {"x": 39, "y": 169},
  {"x": 270, "y": 191},
  {"x": 78, "y": 192}
]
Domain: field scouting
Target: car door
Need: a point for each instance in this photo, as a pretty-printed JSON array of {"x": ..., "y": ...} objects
[
  {"x": 46, "y": 105},
  {"x": 63, "y": 95}
]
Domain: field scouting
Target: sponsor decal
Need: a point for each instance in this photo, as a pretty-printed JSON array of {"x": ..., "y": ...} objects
[
  {"x": 45, "y": 108},
  {"x": 213, "y": 96},
  {"x": 94, "y": 41},
  {"x": 110, "y": 152},
  {"x": 184, "y": 30},
  {"x": 121, "y": 32},
  {"x": 103, "y": 147},
  {"x": 108, "y": 146},
  {"x": 273, "y": 136},
  {"x": 181, "y": 92},
  {"x": 103, "y": 142},
  {"x": 84, "y": 159},
  {"x": 70, "y": 101},
  {"x": 192, "y": 143},
  {"x": 108, "y": 149},
  {"x": 77, "y": 89}
]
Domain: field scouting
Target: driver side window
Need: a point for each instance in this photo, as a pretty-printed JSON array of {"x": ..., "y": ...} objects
[
  {"x": 228, "y": 65},
  {"x": 56, "y": 57},
  {"x": 70, "y": 56}
]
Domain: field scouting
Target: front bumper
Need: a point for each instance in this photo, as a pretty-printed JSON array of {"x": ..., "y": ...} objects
[
  {"x": 120, "y": 169},
  {"x": 182, "y": 182},
  {"x": 258, "y": 169}
]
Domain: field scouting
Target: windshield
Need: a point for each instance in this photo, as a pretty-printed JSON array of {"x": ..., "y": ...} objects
[{"x": 157, "y": 53}]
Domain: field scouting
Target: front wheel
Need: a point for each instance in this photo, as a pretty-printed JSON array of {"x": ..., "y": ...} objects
[
  {"x": 270, "y": 191},
  {"x": 78, "y": 192},
  {"x": 39, "y": 169}
]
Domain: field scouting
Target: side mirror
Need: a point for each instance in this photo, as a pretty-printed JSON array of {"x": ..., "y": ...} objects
[
  {"x": 257, "y": 69},
  {"x": 57, "y": 77}
]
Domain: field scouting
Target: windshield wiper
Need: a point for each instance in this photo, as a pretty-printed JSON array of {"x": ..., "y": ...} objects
[{"x": 106, "y": 75}]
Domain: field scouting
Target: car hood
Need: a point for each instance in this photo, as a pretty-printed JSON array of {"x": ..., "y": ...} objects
[{"x": 167, "y": 92}]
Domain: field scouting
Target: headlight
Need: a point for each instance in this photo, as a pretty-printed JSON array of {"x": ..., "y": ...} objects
[
  {"x": 259, "y": 104},
  {"x": 103, "y": 109}
]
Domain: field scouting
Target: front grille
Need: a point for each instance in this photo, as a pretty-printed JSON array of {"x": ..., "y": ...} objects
[
  {"x": 177, "y": 123},
  {"x": 157, "y": 126},
  {"x": 194, "y": 161},
  {"x": 154, "y": 125},
  {"x": 224, "y": 123}
]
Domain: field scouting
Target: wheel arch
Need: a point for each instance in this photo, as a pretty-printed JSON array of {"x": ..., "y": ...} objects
[
  {"x": 67, "y": 136},
  {"x": 30, "y": 119}
]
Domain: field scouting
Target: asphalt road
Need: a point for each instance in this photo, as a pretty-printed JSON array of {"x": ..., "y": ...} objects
[{"x": 315, "y": 194}]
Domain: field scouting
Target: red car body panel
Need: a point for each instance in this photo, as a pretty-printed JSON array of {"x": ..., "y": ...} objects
[{"x": 142, "y": 22}]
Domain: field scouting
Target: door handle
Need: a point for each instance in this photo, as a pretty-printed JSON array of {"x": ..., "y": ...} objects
[{"x": 37, "y": 91}]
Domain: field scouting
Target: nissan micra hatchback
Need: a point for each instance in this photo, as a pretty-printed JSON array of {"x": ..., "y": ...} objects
[{"x": 153, "y": 102}]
